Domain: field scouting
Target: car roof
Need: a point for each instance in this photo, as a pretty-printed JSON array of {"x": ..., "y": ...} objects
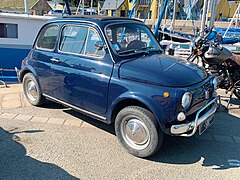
[{"x": 95, "y": 18}]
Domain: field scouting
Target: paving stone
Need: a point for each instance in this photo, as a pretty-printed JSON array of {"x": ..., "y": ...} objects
[
  {"x": 11, "y": 97},
  {"x": 39, "y": 119},
  {"x": 205, "y": 136},
  {"x": 10, "y": 104},
  {"x": 73, "y": 122},
  {"x": 88, "y": 125},
  {"x": 236, "y": 139},
  {"x": 8, "y": 116},
  {"x": 24, "y": 101},
  {"x": 220, "y": 138},
  {"x": 11, "y": 89},
  {"x": 23, "y": 117},
  {"x": 56, "y": 121}
]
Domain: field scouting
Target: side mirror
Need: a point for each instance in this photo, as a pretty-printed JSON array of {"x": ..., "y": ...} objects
[{"x": 99, "y": 45}]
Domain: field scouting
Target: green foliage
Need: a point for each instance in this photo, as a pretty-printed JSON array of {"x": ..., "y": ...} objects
[{"x": 15, "y": 4}]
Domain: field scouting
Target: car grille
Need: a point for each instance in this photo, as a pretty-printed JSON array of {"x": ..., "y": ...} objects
[{"x": 203, "y": 93}]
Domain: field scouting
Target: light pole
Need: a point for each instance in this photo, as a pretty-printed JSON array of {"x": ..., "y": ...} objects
[
  {"x": 83, "y": 4},
  {"x": 116, "y": 8},
  {"x": 91, "y": 7}
]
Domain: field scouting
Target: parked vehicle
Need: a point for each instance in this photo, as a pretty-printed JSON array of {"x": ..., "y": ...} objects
[
  {"x": 216, "y": 59},
  {"x": 57, "y": 11},
  {"x": 113, "y": 69}
]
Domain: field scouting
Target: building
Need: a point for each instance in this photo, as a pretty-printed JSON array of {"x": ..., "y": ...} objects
[
  {"x": 225, "y": 9},
  {"x": 121, "y": 8},
  {"x": 42, "y": 7}
]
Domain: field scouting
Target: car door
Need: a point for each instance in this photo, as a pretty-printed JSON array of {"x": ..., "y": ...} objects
[
  {"x": 84, "y": 71},
  {"x": 42, "y": 57}
]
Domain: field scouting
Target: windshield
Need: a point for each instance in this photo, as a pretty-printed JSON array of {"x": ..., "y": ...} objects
[{"x": 131, "y": 38}]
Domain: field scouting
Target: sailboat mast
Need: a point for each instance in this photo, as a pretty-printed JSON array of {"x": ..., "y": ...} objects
[
  {"x": 92, "y": 8},
  {"x": 213, "y": 13},
  {"x": 174, "y": 14},
  {"x": 205, "y": 5},
  {"x": 26, "y": 6}
]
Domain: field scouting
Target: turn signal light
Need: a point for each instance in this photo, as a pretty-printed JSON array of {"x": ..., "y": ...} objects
[
  {"x": 166, "y": 94},
  {"x": 198, "y": 53}
]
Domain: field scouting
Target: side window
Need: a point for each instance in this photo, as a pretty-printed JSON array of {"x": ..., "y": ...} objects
[
  {"x": 73, "y": 38},
  {"x": 48, "y": 37},
  {"x": 8, "y": 30},
  {"x": 91, "y": 48}
]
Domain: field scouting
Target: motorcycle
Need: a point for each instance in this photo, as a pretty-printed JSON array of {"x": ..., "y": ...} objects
[{"x": 216, "y": 59}]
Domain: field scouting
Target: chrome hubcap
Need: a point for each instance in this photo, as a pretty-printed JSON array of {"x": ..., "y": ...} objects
[
  {"x": 135, "y": 133},
  {"x": 31, "y": 90}
]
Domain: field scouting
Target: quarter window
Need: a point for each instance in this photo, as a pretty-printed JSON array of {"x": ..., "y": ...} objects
[
  {"x": 48, "y": 37},
  {"x": 91, "y": 48}
]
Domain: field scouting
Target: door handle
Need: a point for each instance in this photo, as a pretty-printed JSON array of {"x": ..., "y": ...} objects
[{"x": 54, "y": 60}]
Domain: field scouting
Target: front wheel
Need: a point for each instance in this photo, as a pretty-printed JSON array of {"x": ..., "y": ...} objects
[{"x": 138, "y": 131}]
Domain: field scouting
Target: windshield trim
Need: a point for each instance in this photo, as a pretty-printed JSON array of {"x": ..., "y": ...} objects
[{"x": 117, "y": 23}]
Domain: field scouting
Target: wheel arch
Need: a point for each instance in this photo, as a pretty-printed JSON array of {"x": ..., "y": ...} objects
[
  {"x": 26, "y": 70},
  {"x": 29, "y": 69},
  {"x": 130, "y": 101}
]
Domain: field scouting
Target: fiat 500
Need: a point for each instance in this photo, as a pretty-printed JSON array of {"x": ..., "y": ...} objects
[{"x": 113, "y": 70}]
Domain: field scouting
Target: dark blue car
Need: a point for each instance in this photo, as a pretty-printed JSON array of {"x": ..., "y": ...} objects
[{"x": 113, "y": 70}]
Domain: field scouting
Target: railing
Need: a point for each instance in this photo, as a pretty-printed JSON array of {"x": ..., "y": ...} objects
[
  {"x": 2, "y": 77},
  {"x": 144, "y": 2}
]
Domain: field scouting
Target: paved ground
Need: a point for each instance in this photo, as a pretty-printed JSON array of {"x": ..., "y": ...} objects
[{"x": 54, "y": 142}]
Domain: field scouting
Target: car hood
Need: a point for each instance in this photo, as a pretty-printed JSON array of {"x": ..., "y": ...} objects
[{"x": 162, "y": 70}]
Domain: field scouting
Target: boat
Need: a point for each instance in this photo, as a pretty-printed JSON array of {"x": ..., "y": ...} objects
[{"x": 17, "y": 34}]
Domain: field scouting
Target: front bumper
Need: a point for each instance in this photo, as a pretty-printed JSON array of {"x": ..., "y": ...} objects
[{"x": 183, "y": 129}]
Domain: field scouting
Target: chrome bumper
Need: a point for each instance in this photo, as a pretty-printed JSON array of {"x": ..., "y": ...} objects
[
  {"x": 182, "y": 129},
  {"x": 18, "y": 74}
]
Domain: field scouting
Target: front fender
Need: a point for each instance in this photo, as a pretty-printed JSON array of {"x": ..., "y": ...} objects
[{"x": 150, "y": 103}]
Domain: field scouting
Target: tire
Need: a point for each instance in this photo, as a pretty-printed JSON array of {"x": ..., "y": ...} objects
[
  {"x": 31, "y": 90},
  {"x": 237, "y": 93},
  {"x": 143, "y": 143}
]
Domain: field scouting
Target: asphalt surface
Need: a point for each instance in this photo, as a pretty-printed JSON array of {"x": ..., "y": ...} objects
[{"x": 41, "y": 150}]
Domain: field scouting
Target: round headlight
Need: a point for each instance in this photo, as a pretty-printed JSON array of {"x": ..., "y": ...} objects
[
  {"x": 186, "y": 100},
  {"x": 215, "y": 83}
]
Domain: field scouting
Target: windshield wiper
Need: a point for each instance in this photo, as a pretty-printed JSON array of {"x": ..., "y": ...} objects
[
  {"x": 150, "y": 49},
  {"x": 146, "y": 48},
  {"x": 141, "y": 50},
  {"x": 127, "y": 51}
]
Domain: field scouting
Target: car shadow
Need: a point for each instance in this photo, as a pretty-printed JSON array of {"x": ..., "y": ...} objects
[
  {"x": 101, "y": 125},
  {"x": 16, "y": 164},
  {"x": 217, "y": 148},
  {"x": 234, "y": 103},
  {"x": 52, "y": 105}
]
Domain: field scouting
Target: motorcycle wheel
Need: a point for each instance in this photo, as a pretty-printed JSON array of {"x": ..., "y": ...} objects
[{"x": 237, "y": 93}]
